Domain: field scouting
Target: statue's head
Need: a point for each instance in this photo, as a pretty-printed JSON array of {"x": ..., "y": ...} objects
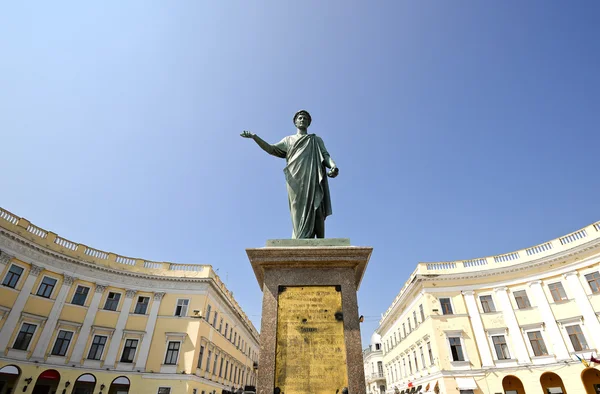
[{"x": 302, "y": 119}]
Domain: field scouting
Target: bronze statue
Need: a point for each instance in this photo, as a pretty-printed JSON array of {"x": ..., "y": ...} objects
[{"x": 305, "y": 175}]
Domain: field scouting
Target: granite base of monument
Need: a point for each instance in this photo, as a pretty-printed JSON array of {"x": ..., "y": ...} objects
[{"x": 310, "y": 333}]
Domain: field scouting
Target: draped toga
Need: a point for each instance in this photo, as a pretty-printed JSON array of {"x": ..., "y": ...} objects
[{"x": 306, "y": 179}]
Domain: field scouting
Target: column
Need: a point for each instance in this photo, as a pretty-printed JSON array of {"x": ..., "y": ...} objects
[
  {"x": 147, "y": 340},
  {"x": 17, "y": 308},
  {"x": 49, "y": 327},
  {"x": 554, "y": 336},
  {"x": 113, "y": 348},
  {"x": 582, "y": 300},
  {"x": 513, "y": 326},
  {"x": 480, "y": 337},
  {"x": 86, "y": 327}
]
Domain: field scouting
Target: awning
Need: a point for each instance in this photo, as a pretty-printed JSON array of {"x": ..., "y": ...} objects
[{"x": 466, "y": 384}]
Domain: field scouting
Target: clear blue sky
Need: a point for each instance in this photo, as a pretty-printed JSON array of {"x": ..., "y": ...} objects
[{"x": 461, "y": 129}]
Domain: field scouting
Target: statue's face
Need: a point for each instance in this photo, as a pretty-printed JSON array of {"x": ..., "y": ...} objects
[{"x": 302, "y": 121}]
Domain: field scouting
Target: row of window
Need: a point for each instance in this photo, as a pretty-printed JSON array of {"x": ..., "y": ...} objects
[
  {"x": 219, "y": 365},
  {"x": 395, "y": 371},
  {"x": 557, "y": 292},
  {"x": 229, "y": 334},
  {"x": 63, "y": 341},
  {"x": 536, "y": 340},
  {"x": 396, "y": 338}
]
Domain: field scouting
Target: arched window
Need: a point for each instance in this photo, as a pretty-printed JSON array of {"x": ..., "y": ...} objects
[
  {"x": 552, "y": 383},
  {"x": 591, "y": 380},
  {"x": 9, "y": 377},
  {"x": 85, "y": 384},
  {"x": 512, "y": 385},
  {"x": 119, "y": 386},
  {"x": 48, "y": 381}
]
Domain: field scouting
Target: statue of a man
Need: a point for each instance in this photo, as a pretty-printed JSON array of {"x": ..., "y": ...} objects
[{"x": 305, "y": 175}]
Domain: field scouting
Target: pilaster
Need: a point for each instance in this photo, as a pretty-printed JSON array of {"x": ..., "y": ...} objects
[
  {"x": 477, "y": 324},
  {"x": 150, "y": 324}
]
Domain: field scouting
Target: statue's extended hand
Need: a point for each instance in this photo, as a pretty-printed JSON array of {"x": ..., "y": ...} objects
[
  {"x": 333, "y": 172},
  {"x": 247, "y": 134}
]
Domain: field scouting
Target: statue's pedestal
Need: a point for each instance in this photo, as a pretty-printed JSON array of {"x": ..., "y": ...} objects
[{"x": 310, "y": 334}]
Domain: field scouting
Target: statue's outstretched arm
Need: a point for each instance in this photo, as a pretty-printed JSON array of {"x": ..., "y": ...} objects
[{"x": 264, "y": 145}]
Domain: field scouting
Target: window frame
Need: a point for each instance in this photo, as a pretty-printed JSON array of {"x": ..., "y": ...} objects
[
  {"x": 587, "y": 345},
  {"x": 97, "y": 345},
  {"x": 56, "y": 339},
  {"x": 595, "y": 280},
  {"x": 451, "y": 306},
  {"x": 167, "y": 350},
  {"x": 558, "y": 289},
  {"x": 177, "y": 306},
  {"x": 422, "y": 312},
  {"x": 161, "y": 390},
  {"x": 107, "y": 300},
  {"x": 487, "y": 306},
  {"x": 32, "y": 334},
  {"x": 23, "y": 268},
  {"x": 75, "y": 295},
  {"x": 49, "y": 296},
  {"x": 125, "y": 348},
  {"x": 543, "y": 341},
  {"x": 135, "y": 309},
  {"x": 200, "y": 356},
  {"x": 502, "y": 346},
  {"x": 526, "y": 299}
]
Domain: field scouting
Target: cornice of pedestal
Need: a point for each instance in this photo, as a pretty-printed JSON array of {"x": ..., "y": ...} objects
[{"x": 323, "y": 257}]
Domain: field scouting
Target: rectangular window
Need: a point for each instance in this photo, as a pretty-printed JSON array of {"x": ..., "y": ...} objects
[
  {"x": 415, "y": 318},
  {"x": 410, "y": 365},
  {"x": 446, "y": 306},
  {"x": 215, "y": 364},
  {"x": 395, "y": 340},
  {"x": 409, "y": 326},
  {"x": 164, "y": 390},
  {"x": 216, "y": 315},
  {"x": 422, "y": 356},
  {"x": 221, "y": 325},
  {"x": 577, "y": 339},
  {"x": 226, "y": 329},
  {"x": 537, "y": 343},
  {"x": 63, "y": 339},
  {"x": 221, "y": 368},
  {"x": 200, "y": 357},
  {"x": 13, "y": 275},
  {"x": 422, "y": 313},
  {"x": 430, "y": 353},
  {"x": 521, "y": 299},
  {"x": 80, "y": 295},
  {"x": 97, "y": 347},
  {"x": 558, "y": 291},
  {"x": 172, "y": 353},
  {"x": 456, "y": 349},
  {"x": 24, "y": 336},
  {"x": 208, "y": 308},
  {"x": 416, "y": 363},
  {"x": 501, "y": 347},
  {"x": 234, "y": 337},
  {"x": 129, "y": 350},
  {"x": 208, "y": 361},
  {"x": 226, "y": 368},
  {"x": 112, "y": 301},
  {"x": 141, "y": 305},
  {"x": 593, "y": 280},
  {"x": 46, "y": 287},
  {"x": 404, "y": 329},
  {"x": 182, "y": 307},
  {"x": 487, "y": 304}
]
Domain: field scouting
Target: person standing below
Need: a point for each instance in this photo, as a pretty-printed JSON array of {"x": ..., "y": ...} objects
[{"x": 305, "y": 175}]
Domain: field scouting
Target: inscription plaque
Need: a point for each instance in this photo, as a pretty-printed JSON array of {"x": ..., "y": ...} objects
[{"x": 310, "y": 351}]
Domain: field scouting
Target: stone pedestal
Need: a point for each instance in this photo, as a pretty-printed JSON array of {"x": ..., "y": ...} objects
[{"x": 310, "y": 335}]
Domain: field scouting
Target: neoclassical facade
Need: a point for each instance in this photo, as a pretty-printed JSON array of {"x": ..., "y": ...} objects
[
  {"x": 373, "y": 364},
  {"x": 74, "y": 319},
  {"x": 514, "y": 323}
]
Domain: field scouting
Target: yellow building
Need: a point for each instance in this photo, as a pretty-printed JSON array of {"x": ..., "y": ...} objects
[
  {"x": 74, "y": 319},
  {"x": 514, "y": 323}
]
